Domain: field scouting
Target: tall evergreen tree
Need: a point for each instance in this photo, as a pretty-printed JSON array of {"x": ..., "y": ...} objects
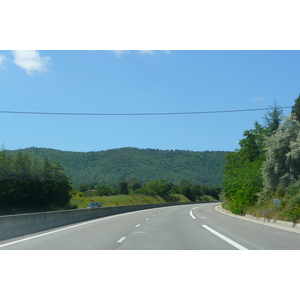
[
  {"x": 296, "y": 108},
  {"x": 273, "y": 118},
  {"x": 123, "y": 187},
  {"x": 27, "y": 185}
]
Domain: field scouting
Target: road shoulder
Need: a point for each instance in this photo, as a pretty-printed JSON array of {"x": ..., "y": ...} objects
[{"x": 288, "y": 226}]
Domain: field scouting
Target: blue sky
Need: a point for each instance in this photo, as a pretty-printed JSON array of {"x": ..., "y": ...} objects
[
  {"x": 158, "y": 81},
  {"x": 140, "y": 82}
]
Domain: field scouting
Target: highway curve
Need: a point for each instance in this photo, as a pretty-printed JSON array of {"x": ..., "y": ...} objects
[{"x": 182, "y": 227}]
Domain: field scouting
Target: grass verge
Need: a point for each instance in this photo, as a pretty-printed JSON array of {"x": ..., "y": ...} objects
[
  {"x": 268, "y": 211},
  {"x": 124, "y": 200}
]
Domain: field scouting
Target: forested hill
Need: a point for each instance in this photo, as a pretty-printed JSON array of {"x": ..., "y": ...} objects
[{"x": 111, "y": 166}]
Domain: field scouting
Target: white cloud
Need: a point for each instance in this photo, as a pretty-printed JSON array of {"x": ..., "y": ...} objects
[
  {"x": 2, "y": 59},
  {"x": 31, "y": 61},
  {"x": 152, "y": 51},
  {"x": 259, "y": 99},
  {"x": 146, "y": 52},
  {"x": 119, "y": 53}
]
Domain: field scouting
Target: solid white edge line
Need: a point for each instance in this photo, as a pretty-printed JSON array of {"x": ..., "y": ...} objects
[
  {"x": 226, "y": 239},
  {"x": 69, "y": 227}
]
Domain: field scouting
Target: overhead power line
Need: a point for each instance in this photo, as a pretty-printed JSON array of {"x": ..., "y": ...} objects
[{"x": 135, "y": 114}]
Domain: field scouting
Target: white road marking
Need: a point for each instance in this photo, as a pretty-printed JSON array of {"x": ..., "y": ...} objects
[
  {"x": 43, "y": 234},
  {"x": 226, "y": 239},
  {"x": 191, "y": 213},
  {"x": 138, "y": 225},
  {"x": 153, "y": 215},
  {"x": 66, "y": 228},
  {"x": 147, "y": 219},
  {"x": 121, "y": 239}
]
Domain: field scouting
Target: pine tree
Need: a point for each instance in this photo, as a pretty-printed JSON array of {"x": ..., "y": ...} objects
[
  {"x": 123, "y": 187},
  {"x": 296, "y": 108},
  {"x": 273, "y": 118}
]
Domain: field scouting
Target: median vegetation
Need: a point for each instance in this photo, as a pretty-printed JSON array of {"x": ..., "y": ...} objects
[{"x": 267, "y": 167}]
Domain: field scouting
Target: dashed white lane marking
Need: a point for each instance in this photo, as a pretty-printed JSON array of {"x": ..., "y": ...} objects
[
  {"x": 121, "y": 239},
  {"x": 66, "y": 228},
  {"x": 226, "y": 239},
  {"x": 138, "y": 225},
  {"x": 147, "y": 219}
]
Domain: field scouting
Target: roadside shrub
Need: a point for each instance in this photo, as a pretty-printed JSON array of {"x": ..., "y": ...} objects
[
  {"x": 104, "y": 190},
  {"x": 145, "y": 191},
  {"x": 292, "y": 190},
  {"x": 204, "y": 198},
  {"x": 174, "y": 190},
  {"x": 237, "y": 209},
  {"x": 79, "y": 194},
  {"x": 160, "y": 186},
  {"x": 292, "y": 209}
]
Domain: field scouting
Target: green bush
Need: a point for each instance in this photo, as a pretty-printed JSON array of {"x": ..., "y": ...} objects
[
  {"x": 293, "y": 215},
  {"x": 160, "y": 186},
  {"x": 145, "y": 191},
  {"x": 204, "y": 198}
]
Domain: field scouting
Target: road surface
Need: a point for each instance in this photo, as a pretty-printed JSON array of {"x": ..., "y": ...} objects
[{"x": 182, "y": 227}]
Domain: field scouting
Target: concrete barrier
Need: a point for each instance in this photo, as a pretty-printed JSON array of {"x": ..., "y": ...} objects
[{"x": 18, "y": 225}]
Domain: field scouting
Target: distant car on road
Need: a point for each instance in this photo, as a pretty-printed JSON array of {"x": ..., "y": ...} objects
[{"x": 94, "y": 205}]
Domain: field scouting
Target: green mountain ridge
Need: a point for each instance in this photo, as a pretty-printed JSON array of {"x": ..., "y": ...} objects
[{"x": 111, "y": 166}]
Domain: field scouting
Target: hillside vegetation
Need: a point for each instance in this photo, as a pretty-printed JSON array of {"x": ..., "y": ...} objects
[
  {"x": 267, "y": 167},
  {"x": 35, "y": 179},
  {"x": 111, "y": 166},
  {"x": 124, "y": 200}
]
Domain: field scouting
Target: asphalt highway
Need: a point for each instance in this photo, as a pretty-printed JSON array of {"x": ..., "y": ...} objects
[{"x": 182, "y": 227}]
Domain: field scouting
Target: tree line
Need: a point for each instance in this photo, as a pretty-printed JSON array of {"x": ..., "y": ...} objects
[
  {"x": 156, "y": 187},
  {"x": 111, "y": 166},
  {"x": 28, "y": 185},
  {"x": 267, "y": 164}
]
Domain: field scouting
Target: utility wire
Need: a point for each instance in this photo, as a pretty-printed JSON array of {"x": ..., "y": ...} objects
[{"x": 136, "y": 114}]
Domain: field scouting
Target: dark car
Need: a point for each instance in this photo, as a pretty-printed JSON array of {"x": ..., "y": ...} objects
[{"x": 94, "y": 205}]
